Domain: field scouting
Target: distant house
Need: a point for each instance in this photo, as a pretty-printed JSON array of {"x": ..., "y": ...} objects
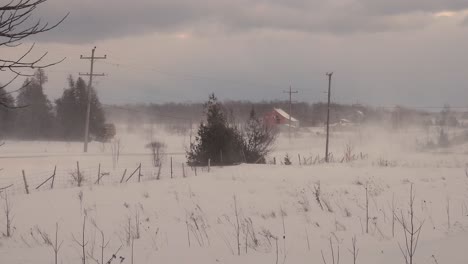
[{"x": 278, "y": 117}]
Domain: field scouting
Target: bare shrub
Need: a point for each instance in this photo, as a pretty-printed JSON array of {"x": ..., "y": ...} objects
[
  {"x": 348, "y": 153},
  {"x": 386, "y": 163},
  {"x": 157, "y": 152},
  {"x": 317, "y": 193},
  {"x": 77, "y": 177},
  {"x": 287, "y": 160}
]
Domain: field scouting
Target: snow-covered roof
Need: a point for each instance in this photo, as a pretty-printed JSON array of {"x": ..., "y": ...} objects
[
  {"x": 285, "y": 115},
  {"x": 344, "y": 120}
]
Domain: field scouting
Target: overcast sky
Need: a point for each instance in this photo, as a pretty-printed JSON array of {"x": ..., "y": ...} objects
[{"x": 382, "y": 53}]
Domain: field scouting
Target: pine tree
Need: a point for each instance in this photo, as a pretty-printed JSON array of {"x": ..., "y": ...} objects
[
  {"x": 35, "y": 118},
  {"x": 71, "y": 112},
  {"x": 7, "y": 114},
  {"x": 216, "y": 139}
]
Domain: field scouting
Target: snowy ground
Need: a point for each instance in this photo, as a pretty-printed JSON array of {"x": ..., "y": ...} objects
[{"x": 193, "y": 219}]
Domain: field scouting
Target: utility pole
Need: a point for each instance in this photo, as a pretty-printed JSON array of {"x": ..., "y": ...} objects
[
  {"x": 290, "y": 92},
  {"x": 88, "y": 109},
  {"x": 328, "y": 114}
]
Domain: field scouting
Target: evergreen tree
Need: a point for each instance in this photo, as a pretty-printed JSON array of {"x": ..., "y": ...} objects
[
  {"x": 71, "y": 112},
  {"x": 216, "y": 139},
  {"x": 7, "y": 114},
  {"x": 34, "y": 118}
]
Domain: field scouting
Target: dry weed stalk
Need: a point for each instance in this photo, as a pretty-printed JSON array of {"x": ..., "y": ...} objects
[
  {"x": 56, "y": 246},
  {"x": 115, "y": 152},
  {"x": 392, "y": 207},
  {"x": 411, "y": 231},
  {"x": 104, "y": 244},
  {"x": 317, "y": 193},
  {"x": 354, "y": 250},
  {"x": 237, "y": 227},
  {"x": 367, "y": 208},
  {"x": 82, "y": 244},
  {"x": 334, "y": 259},
  {"x": 8, "y": 215}
]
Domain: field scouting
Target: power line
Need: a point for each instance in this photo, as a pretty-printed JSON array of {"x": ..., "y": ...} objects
[{"x": 90, "y": 74}]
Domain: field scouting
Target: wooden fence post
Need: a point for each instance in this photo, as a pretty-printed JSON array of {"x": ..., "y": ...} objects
[
  {"x": 274, "y": 160},
  {"x": 44, "y": 182},
  {"x": 299, "y": 157},
  {"x": 139, "y": 173},
  {"x": 209, "y": 164},
  {"x": 99, "y": 173},
  {"x": 183, "y": 170},
  {"x": 53, "y": 178},
  {"x": 25, "y": 183},
  {"x": 131, "y": 175},
  {"x": 171, "y": 167}
]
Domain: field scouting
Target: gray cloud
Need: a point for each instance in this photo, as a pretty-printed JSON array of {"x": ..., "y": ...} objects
[
  {"x": 92, "y": 20},
  {"x": 465, "y": 21},
  {"x": 253, "y": 49},
  {"x": 395, "y": 7}
]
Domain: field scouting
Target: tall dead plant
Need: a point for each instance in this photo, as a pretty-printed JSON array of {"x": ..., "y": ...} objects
[
  {"x": 411, "y": 230},
  {"x": 115, "y": 152},
  {"x": 8, "y": 215},
  {"x": 334, "y": 253}
]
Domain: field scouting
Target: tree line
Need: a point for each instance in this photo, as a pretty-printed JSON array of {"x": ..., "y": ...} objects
[
  {"x": 309, "y": 114},
  {"x": 32, "y": 116}
]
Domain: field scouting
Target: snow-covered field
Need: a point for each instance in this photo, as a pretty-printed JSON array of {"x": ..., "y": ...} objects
[{"x": 268, "y": 213}]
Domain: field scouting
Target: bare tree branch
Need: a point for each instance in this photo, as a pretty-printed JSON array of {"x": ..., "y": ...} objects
[{"x": 17, "y": 24}]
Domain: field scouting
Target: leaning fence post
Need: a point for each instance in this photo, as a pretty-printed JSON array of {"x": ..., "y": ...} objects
[
  {"x": 99, "y": 173},
  {"x": 25, "y": 183},
  {"x": 183, "y": 170},
  {"x": 123, "y": 176},
  {"x": 299, "y": 157},
  {"x": 171, "y": 167}
]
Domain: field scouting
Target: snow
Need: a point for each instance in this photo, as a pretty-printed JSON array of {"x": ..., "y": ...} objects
[{"x": 266, "y": 195}]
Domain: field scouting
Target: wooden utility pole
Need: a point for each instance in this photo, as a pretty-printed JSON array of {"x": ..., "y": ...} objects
[
  {"x": 290, "y": 92},
  {"x": 328, "y": 114},
  {"x": 88, "y": 108}
]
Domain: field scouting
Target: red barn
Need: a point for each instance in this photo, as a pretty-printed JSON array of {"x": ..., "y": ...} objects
[{"x": 278, "y": 116}]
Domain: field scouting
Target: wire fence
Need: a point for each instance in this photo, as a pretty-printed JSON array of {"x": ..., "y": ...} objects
[{"x": 60, "y": 178}]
